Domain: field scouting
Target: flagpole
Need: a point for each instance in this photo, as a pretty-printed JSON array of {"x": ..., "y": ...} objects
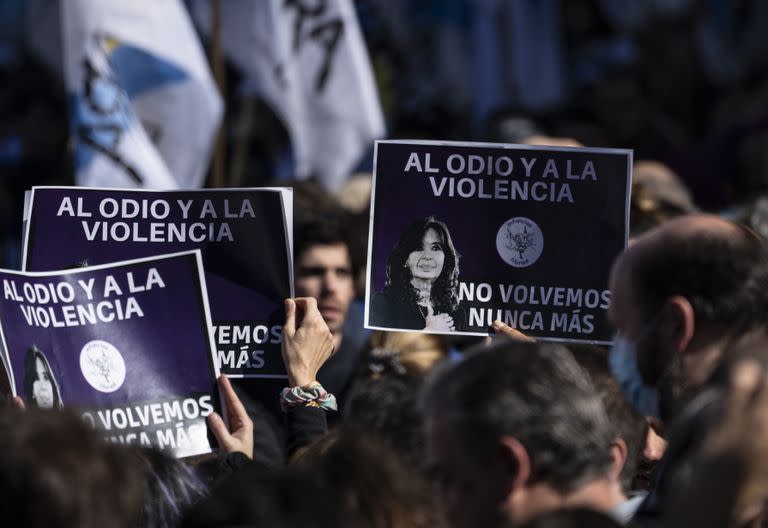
[
  {"x": 244, "y": 130},
  {"x": 217, "y": 65}
]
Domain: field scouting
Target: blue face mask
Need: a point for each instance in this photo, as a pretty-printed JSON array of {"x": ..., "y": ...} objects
[{"x": 622, "y": 360}]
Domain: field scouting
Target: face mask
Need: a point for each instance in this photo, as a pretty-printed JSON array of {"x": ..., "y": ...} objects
[{"x": 622, "y": 360}]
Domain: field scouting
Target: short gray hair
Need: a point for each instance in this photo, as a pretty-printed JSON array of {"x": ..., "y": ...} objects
[{"x": 536, "y": 393}]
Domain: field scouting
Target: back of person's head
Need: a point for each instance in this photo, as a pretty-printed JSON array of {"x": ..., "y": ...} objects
[
  {"x": 626, "y": 423},
  {"x": 383, "y": 400},
  {"x": 259, "y": 495},
  {"x": 56, "y": 471},
  {"x": 658, "y": 194},
  {"x": 386, "y": 407},
  {"x": 721, "y": 270},
  {"x": 376, "y": 489},
  {"x": 170, "y": 487},
  {"x": 535, "y": 393},
  {"x": 572, "y": 518},
  {"x": 407, "y": 354}
]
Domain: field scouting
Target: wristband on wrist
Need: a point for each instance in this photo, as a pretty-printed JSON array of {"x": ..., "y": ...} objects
[{"x": 312, "y": 395}]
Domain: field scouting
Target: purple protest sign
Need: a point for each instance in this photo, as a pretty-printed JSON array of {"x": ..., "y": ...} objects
[
  {"x": 127, "y": 345},
  {"x": 463, "y": 234},
  {"x": 244, "y": 236}
]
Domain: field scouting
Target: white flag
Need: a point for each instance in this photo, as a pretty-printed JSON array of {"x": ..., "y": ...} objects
[
  {"x": 144, "y": 107},
  {"x": 308, "y": 60}
]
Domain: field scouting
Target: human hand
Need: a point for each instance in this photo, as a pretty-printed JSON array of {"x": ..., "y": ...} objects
[
  {"x": 440, "y": 322},
  {"x": 239, "y": 436},
  {"x": 506, "y": 330},
  {"x": 306, "y": 347}
]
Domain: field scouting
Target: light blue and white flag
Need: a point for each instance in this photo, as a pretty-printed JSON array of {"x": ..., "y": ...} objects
[
  {"x": 308, "y": 61},
  {"x": 144, "y": 107}
]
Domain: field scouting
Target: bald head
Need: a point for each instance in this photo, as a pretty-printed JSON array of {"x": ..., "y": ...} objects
[
  {"x": 719, "y": 266},
  {"x": 685, "y": 228},
  {"x": 681, "y": 293}
]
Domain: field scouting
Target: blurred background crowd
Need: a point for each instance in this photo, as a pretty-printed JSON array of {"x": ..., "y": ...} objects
[{"x": 683, "y": 83}]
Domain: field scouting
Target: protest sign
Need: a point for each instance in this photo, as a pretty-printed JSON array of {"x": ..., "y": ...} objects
[
  {"x": 463, "y": 234},
  {"x": 127, "y": 345},
  {"x": 244, "y": 236}
]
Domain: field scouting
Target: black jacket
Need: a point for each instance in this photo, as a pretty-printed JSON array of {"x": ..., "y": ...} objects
[{"x": 391, "y": 312}]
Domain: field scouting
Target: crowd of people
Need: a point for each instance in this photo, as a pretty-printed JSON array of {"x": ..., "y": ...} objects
[
  {"x": 411, "y": 429},
  {"x": 665, "y": 428}
]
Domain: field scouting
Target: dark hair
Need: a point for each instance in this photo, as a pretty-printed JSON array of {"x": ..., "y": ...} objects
[
  {"x": 327, "y": 230},
  {"x": 725, "y": 278},
  {"x": 535, "y": 392},
  {"x": 57, "y": 471},
  {"x": 410, "y": 355},
  {"x": 445, "y": 290},
  {"x": 170, "y": 487},
  {"x": 258, "y": 495},
  {"x": 376, "y": 489},
  {"x": 387, "y": 408},
  {"x": 30, "y": 375},
  {"x": 625, "y": 422}
]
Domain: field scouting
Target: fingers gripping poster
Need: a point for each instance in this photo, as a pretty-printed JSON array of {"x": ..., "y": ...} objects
[
  {"x": 126, "y": 345},
  {"x": 463, "y": 234},
  {"x": 244, "y": 236}
]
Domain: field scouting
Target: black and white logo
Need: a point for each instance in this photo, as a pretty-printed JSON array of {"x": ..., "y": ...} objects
[
  {"x": 102, "y": 366},
  {"x": 519, "y": 242}
]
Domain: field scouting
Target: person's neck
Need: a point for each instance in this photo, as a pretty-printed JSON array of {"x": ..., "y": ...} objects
[
  {"x": 600, "y": 495},
  {"x": 423, "y": 288}
]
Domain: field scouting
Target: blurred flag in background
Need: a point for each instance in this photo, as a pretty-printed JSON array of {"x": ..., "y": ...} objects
[
  {"x": 144, "y": 108},
  {"x": 308, "y": 61}
]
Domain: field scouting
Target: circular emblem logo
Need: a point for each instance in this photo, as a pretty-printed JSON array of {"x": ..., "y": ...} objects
[
  {"x": 102, "y": 366},
  {"x": 519, "y": 242}
]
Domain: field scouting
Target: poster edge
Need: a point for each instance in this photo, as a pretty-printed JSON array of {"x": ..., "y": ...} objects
[
  {"x": 369, "y": 276},
  {"x": 506, "y": 146}
]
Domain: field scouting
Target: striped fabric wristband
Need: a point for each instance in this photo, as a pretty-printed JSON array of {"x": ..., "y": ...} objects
[{"x": 313, "y": 395}]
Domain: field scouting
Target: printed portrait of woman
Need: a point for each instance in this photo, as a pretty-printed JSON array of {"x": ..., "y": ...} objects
[
  {"x": 40, "y": 387},
  {"x": 422, "y": 286}
]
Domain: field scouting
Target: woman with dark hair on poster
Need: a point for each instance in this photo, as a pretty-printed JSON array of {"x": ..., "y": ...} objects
[
  {"x": 40, "y": 386},
  {"x": 422, "y": 287}
]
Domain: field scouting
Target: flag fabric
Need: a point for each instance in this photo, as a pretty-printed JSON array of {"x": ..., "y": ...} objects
[
  {"x": 144, "y": 106},
  {"x": 308, "y": 61}
]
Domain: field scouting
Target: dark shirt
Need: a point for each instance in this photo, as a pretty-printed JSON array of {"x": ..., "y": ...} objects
[
  {"x": 303, "y": 426},
  {"x": 391, "y": 312},
  {"x": 338, "y": 373}
]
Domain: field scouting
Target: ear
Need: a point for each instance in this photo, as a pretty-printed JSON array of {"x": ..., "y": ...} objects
[
  {"x": 517, "y": 463},
  {"x": 679, "y": 323},
  {"x": 619, "y": 454}
]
